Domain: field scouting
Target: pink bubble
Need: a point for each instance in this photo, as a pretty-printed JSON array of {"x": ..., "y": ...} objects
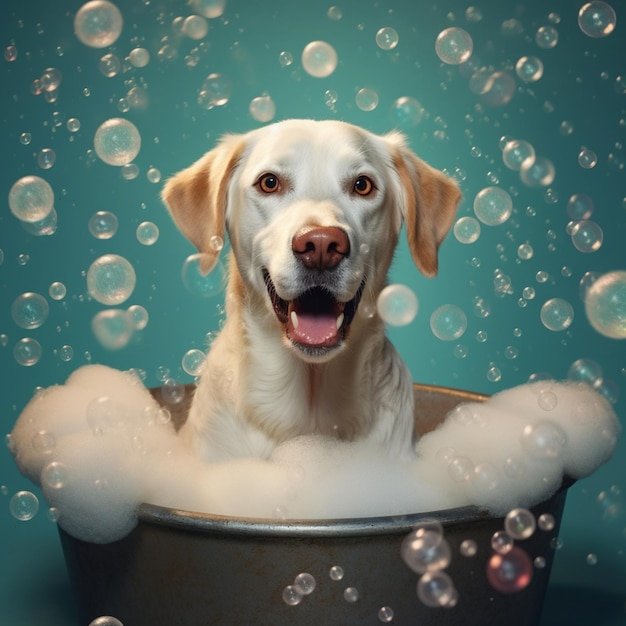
[{"x": 510, "y": 572}]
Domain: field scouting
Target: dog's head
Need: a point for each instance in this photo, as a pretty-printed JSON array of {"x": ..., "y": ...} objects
[{"x": 313, "y": 211}]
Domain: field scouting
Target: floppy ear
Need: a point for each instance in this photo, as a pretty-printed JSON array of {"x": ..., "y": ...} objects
[
  {"x": 431, "y": 199},
  {"x": 197, "y": 196}
]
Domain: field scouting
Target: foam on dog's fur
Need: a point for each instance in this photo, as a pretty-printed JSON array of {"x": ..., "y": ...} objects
[{"x": 111, "y": 451}]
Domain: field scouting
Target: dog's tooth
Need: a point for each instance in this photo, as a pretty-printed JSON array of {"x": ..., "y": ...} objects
[
  {"x": 294, "y": 319},
  {"x": 340, "y": 321}
]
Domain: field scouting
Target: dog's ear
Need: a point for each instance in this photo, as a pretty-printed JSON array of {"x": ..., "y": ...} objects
[
  {"x": 197, "y": 196},
  {"x": 430, "y": 203}
]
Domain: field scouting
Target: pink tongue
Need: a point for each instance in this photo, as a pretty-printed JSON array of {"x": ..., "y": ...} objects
[{"x": 314, "y": 330}]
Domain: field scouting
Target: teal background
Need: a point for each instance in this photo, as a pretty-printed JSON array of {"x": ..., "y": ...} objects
[{"x": 459, "y": 133}]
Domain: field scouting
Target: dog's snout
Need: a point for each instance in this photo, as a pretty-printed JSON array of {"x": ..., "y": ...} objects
[{"x": 321, "y": 247}]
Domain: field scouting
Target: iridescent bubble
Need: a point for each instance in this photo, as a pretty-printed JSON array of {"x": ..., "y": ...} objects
[
  {"x": 139, "y": 316},
  {"x": 111, "y": 279},
  {"x": 587, "y": 236},
  {"x": 106, "y": 620},
  {"x": 436, "y": 589},
  {"x": 525, "y": 251},
  {"x": 27, "y": 351},
  {"x": 544, "y": 440},
  {"x": 425, "y": 550},
  {"x": 305, "y": 583},
  {"x": 46, "y": 158},
  {"x": 319, "y": 59},
  {"x": 216, "y": 91},
  {"x": 501, "y": 542},
  {"x": 23, "y": 505},
  {"x": 467, "y": 230},
  {"x": 510, "y": 572},
  {"x": 597, "y": 19},
  {"x": 539, "y": 173},
  {"x": 291, "y": 595},
  {"x": 195, "y": 27},
  {"x": 448, "y": 322},
  {"x": 147, "y": 233},
  {"x": 587, "y": 159},
  {"x": 529, "y": 69},
  {"x": 387, "y": 38},
  {"x": 139, "y": 57},
  {"x": 54, "y": 475},
  {"x": 517, "y": 153},
  {"x": 192, "y": 362},
  {"x": 557, "y": 314},
  {"x": 493, "y": 206},
  {"x": 117, "y": 141},
  {"x": 153, "y": 175},
  {"x": 520, "y": 523},
  {"x": 397, "y": 305},
  {"x": 103, "y": 224},
  {"x": 366, "y": 99},
  {"x": 547, "y": 37},
  {"x": 546, "y": 522},
  {"x": 605, "y": 305},
  {"x": 31, "y": 199},
  {"x": 98, "y": 23},
  {"x": 580, "y": 206},
  {"x": 199, "y": 282},
  {"x": 407, "y": 112},
  {"x": 113, "y": 328},
  {"x": 454, "y": 45},
  {"x": 262, "y": 109},
  {"x": 30, "y": 310}
]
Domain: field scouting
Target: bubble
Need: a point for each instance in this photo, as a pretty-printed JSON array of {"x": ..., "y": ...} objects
[
  {"x": 351, "y": 594},
  {"x": 448, "y": 322},
  {"x": 597, "y": 19},
  {"x": 544, "y": 440},
  {"x": 529, "y": 69},
  {"x": 10, "y": 54},
  {"x": 216, "y": 91},
  {"x": 103, "y": 224},
  {"x": 387, "y": 38},
  {"x": 407, "y": 112},
  {"x": 385, "y": 614},
  {"x": 587, "y": 236},
  {"x": 27, "y": 351},
  {"x": 319, "y": 59},
  {"x": 525, "y": 251},
  {"x": 113, "y": 328},
  {"x": 467, "y": 230},
  {"x": 605, "y": 305},
  {"x": 201, "y": 283},
  {"x": 195, "y": 27},
  {"x": 580, "y": 206},
  {"x": 139, "y": 57},
  {"x": 586, "y": 371},
  {"x": 547, "y": 400},
  {"x": 30, "y": 310},
  {"x": 397, "y": 305},
  {"x": 436, "y": 589},
  {"x": 54, "y": 475},
  {"x": 98, "y": 24},
  {"x": 501, "y": 542},
  {"x": 285, "y": 58},
  {"x": 493, "y": 206},
  {"x": 44, "y": 442},
  {"x": 468, "y": 548},
  {"x": 109, "y": 65},
  {"x": 31, "y": 199},
  {"x": 46, "y": 158},
  {"x": 73, "y": 125},
  {"x": 65, "y": 353},
  {"x": 520, "y": 523},
  {"x": 23, "y": 505},
  {"x": 172, "y": 392},
  {"x": 305, "y": 583},
  {"x": 454, "y": 45},
  {"x": 510, "y": 572},
  {"x": 111, "y": 279},
  {"x": 106, "y": 620},
  {"x": 147, "y": 233},
  {"x": 25, "y": 138},
  {"x": 546, "y": 522},
  {"x": 262, "y": 109},
  {"x": 117, "y": 141},
  {"x": 547, "y": 37},
  {"x": 139, "y": 316},
  {"x": 192, "y": 362},
  {"x": 366, "y": 99},
  {"x": 557, "y": 314},
  {"x": 539, "y": 173},
  {"x": 425, "y": 550},
  {"x": 517, "y": 153},
  {"x": 495, "y": 88},
  {"x": 291, "y": 595},
  {"x": 336, "y": 572}
]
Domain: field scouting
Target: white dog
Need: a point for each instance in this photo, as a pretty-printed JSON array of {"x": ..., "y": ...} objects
[{"x": 313, "y": 211}]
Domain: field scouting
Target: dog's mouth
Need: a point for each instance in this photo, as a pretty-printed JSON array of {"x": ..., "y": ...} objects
[{"x": 315, "y": 321}]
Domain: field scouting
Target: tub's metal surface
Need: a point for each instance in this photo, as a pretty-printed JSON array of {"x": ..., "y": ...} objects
[{"x": 179, "y": 568}]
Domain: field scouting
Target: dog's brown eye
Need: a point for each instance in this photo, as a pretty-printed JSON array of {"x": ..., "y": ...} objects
[
  {"x": 269, "y": 183},
  {"x": 363, "y": 186}
]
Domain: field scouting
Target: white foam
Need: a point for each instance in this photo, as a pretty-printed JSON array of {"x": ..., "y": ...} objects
[{"x": 115, "y": 451}]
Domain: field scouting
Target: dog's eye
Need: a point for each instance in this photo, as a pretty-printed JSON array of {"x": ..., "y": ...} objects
[
  {"x": 268, "y": 183},
  {"x": 363, "y": 186}
]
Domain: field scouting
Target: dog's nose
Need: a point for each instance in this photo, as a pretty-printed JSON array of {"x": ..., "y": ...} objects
[{"x": 320, "y": 247}]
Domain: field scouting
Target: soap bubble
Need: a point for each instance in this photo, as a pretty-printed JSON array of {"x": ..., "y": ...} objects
[
  {"x": 587, "y": 236},
  {"x": 454, "y": 45},
  {"x": 216, "y": 91},
  {"x": 262, "y": 109},
  {"x": 44, "y": 442},
  {"x": 366, "y": 99},
  {"x": 529, "y": 69},
  {"x": 153, "y": 175},
  {"x": 54, "y": 475},
  {"x": 385, "y": 614},
  {"x": 27, "y": 351},
  {"x": 493, "y": 206},
  {"x": 336, "y": 572},
  {"x": 24, "y": 505},
  {"x": 525, "y": 251},
  {"x": 43, "y": 228},
  {"x": 319, "y": 59},
  {"x": 139, "y": 57},
  {"x": 291, "y": 595},
  {"x": 73, "y": 125},
  {"x": 351, "y": 594},
  {"x": 544, "y": 440},
  {"x": 192, "y": 362},
  {"x": 547, "y": 37},
  {"x": 436, "y": 589},
  {"x": 497, "y": 88},
  {"x": 597, "y": 19},
  {"x": 501, "y": 542},
  {"x": 305, "y": 583},
  {"x": 605, "y": 305},
  {"x": 201, "y": 283},
  {"x": 407, "y": 112},
  {"x": 587, "y": 159},
  {"x": 111, "y": 279},
  {"x": 209, "y": 8},
  {"x": 538, "y": 173},
  {"x": 106, "y": 620},
  {"x": 520, "y": 523},
  {"x": 113, "y": 328},
  {"x": 147, "y": 233},
  {"x": 468, "y": 548},
  {"x": 46, "y": 158},
  {"x": 195, "y": 27},
  {"x": 109, "y": 65},
  {"x": 103, "y": 224},
  {"x": 139, "y": 316},
  {"x": 425, "y": 550},
  {"x": 448, "y": 322},
  {"x": 31, "y": 199},
  {"x": 517, "y": 153},
  {"x": 557, "y": 314},
  {"x": 30, "y": 310},
  {"x": 546, "y": 522},
  {"x": 98, "y": 23},
  {"x": 586, "y": 371},
  {"x": 117, "y": 141},
  {"x": 397, "y": 305},
  {"x": 387, "y": 38},
  {"x": 467, "y": 230},
  {"x": 580, "y": 206},
  {"x": 285, "y": 58},
  {"x": 510, "y": 572}
]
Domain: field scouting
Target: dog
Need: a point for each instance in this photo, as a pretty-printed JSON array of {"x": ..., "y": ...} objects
[{"x": 313, "y": 211}]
